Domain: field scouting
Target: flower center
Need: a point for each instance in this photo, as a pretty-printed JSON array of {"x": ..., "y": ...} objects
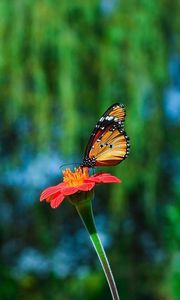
[{"x": 75, "y": 178}]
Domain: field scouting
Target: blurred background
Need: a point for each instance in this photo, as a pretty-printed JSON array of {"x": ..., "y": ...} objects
[{"x": 61, "y": 65}]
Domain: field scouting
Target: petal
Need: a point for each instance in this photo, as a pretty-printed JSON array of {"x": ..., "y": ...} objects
[
  {"x": 103, "y": 178},
  {"x": 87, "y": 186},
  {"x": 51, "y": 190},
  {"x": 69, "y": 190},
  {"x": 57, "y": 201},
  {"x": 50, "y": 198}
]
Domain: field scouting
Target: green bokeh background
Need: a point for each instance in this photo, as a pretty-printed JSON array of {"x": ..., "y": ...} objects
[{"x": 61, "y": 65}]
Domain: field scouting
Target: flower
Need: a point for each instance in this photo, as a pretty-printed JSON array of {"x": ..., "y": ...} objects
[{"x": 75, "y": 182}]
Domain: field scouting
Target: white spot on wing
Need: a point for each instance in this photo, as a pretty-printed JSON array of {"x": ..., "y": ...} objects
[{"x": 109, "y": 118}]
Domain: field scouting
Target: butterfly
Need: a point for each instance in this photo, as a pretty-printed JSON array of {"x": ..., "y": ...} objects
[{"x": 108, "y": 144}]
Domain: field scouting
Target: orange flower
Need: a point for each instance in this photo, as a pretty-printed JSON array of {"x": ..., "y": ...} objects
[{"x": 74, "y": 182}]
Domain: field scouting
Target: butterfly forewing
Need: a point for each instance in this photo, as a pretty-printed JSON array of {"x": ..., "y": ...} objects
[
  {"x": 115, "y": 113},
  {"x": 118, "y": 111}
]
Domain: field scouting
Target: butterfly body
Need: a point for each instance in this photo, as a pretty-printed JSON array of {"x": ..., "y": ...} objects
[{"x": 108, "y": 144}]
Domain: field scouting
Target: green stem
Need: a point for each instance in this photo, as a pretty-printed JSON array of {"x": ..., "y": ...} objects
[{"x": 84, "y": 209}]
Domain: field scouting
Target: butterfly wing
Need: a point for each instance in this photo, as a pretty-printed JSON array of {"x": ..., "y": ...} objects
[
  {"x": 108, "y": 144},
  {"x": 110, "y": 148}
]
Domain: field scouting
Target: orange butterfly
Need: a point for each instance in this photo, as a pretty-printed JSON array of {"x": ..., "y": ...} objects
[{"x": 108, "y": 144}]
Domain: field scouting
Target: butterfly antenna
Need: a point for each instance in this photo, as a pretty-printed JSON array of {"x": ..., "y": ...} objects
[{"x": 66, "y": 165}]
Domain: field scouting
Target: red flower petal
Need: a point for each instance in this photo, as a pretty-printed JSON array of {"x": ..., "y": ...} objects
[
  {"x": 86, "y": 186},
  {"x": 50, "y": 198},
  {"x": 69, "y": 190},
  {"x": 51, "y": 190},
  {"x": 57, "y": 201},
  {"x": 103, "y": 178}
]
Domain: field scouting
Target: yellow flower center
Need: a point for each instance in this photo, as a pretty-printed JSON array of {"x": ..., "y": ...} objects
[{"x": 75, "y": 178}]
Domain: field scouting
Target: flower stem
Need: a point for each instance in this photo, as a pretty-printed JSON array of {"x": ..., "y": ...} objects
[{"x": 84, "y": 209}]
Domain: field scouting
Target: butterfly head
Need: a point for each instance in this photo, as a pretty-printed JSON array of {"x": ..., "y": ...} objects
[{"x": 89, "y": 162}]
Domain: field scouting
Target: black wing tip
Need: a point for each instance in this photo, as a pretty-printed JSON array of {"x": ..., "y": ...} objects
[
  {"x": 118, "y": 104},
  {"x": 121, "y": 105}
]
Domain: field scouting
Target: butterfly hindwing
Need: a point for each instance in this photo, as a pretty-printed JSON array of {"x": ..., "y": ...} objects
[
  {"x": 108, "y": 144},
  {"x": 110, "y": 148}
]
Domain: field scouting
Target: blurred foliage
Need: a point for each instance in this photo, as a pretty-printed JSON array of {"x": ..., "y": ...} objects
[{"x": 61, "y": 65}]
